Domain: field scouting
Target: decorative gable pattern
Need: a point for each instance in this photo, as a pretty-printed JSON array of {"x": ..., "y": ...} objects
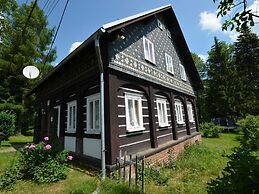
[{"x": 127, "y": 55}]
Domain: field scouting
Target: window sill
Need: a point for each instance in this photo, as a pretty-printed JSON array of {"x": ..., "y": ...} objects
[
  {"x": 170, "y": 73},
  {"x": 93, "y": 132},
  {"x": 135, "y": 129},
  {"x": 183, "y": 123},
  {"x": 70, "y": 131},
  {"x": 147, "y": 60},
  {"x": 162, "y": 126}
]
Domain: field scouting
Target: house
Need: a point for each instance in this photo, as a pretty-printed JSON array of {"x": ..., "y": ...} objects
[{"x": 130, "y": 86}]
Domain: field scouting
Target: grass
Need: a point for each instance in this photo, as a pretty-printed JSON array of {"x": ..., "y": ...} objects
[
  {"x": 197, "y": 166},
  {"x": 14, "y": 143},
  {"x": 189, "y": 174}
]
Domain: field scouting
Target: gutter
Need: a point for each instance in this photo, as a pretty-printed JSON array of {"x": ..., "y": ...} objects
[{"x": 100, "y": 64}]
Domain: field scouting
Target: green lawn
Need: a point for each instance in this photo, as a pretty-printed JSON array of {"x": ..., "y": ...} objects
[{"x": 189, "y": 174}]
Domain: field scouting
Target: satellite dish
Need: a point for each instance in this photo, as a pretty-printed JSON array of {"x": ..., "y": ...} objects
[{"x": 31, "y": 72}]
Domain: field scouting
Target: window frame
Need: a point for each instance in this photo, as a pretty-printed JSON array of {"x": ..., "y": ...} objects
[
  {"x": 150, "y": 51},
  {"x": 167, "y": 56},
  {"x": 160, "y": 25},
  {"x": 190, "y": 112},
  {"x": 138, "y": 98},
  {"x": 182, "y": 72},
  {"x": 168, "y": 33},
  {"x": 163, "y": 102},
  {"x": 71, "y": 104},
  {"x": 179, "y": 112},
  {"x": 93, "y": 98}
]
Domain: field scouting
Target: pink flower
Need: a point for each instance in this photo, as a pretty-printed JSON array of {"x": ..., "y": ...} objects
[
  {"x": 32, "y": 147},
  {"x": 48, "y": 147},
  {"x": 46, "y": 138},
  {"x": 70, "y": 157}
]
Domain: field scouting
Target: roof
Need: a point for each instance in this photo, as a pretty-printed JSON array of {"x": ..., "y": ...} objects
[{"x": 112, "y": 26}]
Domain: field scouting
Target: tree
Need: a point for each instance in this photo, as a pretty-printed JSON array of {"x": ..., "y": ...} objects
[
  {"x": 246, "y": 63},
  {"x": 240, "y": 12},
  {"x": 23, "y": 43},
  {"x": 224, "y": 86},
  {"x": 202, "y": 94}
]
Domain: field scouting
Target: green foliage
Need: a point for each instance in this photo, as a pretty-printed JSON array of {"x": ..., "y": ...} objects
[
  {"x": 42, "y": 163},
  {"x": 250, "y": 132},
  {"x": 7, "y": 124},
  {"x": 111, "y": 187},
  {"x": 240, "y": 19},
  {"x": 156, "y": 174},
  {"x": 210, "y": 130},
  {"x": 240, "y": 176}
]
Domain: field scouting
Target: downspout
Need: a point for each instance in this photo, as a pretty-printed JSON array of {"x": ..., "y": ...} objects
[{"x": 100, "y": 64}]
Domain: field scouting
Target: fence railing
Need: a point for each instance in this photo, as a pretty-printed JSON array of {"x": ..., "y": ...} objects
[{"x": 131, "y": 169}]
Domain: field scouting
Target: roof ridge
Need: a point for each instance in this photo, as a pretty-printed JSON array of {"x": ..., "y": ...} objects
[{"x": 117, "y": 22}]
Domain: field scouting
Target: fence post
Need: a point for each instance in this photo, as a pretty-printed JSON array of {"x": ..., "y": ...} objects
[
  {"x": 124, "y": 166},
  {"x": 143, "y": 174},
  {"x": 130, "y": 160},
  {"x": 120, "y": 165},
  {"x": 136, "y": 173}
]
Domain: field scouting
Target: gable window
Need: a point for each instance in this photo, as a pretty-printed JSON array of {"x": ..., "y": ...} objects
[
  {"x": 162, "y": 112},
  {"x": 182, "y": 72},
  {"x": 168, "y": 33},
  {"x": 71, "y": 116},
  {"x": 149, "y": 51},
  {"x": 190, "y": 112},
  {"x": 169, "y": 63},
  {"x": 93, "y": 112},
  {"x": 179, "y": 112},
  {"x": 133, "y": 109},
  {"x": 159, "y": 24}
]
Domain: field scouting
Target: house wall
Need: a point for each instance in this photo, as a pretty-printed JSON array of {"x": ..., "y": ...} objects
[{"x": 127, "y": 55}]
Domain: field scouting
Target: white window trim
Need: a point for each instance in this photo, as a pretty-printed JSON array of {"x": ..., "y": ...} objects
[
  {"x": 90, "y": 99},
  {"x": 182, "y": 72},
  {"x": 179, "y": 117},
  {"x": 159, "y": 24},
  {"x": 134, "y": 97},
  {"x": 149, "y": 51},
  {"x": 168, "y": 33},
  {"x": 162, "y": 101},
  {"x": 190, "y": 112},
  {"x": 168, "y": 57},
  {"x": 71, "y": 104}
]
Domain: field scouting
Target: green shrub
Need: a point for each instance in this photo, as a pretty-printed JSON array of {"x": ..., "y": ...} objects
[
  {"x": 250, "y": 132},
  {"x": 156, "y": 174},
  {"x": 42, "y": 163},
  {"x": 29, "y": 132},
  {"x": 240, "y": 176},
  {"x": 210, "y": 130},
  {"x": 7, "y": 124}
]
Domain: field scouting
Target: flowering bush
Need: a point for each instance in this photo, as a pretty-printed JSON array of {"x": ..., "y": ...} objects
[{"x": 42, "y": 162}]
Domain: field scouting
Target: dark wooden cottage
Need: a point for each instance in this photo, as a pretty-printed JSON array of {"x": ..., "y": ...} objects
[{"x": 134, "y": 79}]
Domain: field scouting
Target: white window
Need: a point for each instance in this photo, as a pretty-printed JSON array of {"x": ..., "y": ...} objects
[
  {"x": 133, "y": 109},
  {"x": 182, "y": 72},
  {"x": 162, "y": 112},
  {"x": 149, "y": 51},
  {"x": 169, "y": 63},
  {"x": 179, "y": 112},
  {"x": 93, "y": 112},
  {"x": 190, "y": 112},
  {"x": 71, "y": 116},
  {"x": 159, "y": 24},
  {"x": 168, "y": 33}
]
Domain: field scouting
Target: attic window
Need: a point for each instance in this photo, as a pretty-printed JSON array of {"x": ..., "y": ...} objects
[
  {"x": 168, "y": 33},
  {"x": 149, "y": 50},
  {"x": 182, "y": 72},
  {"x": 159, "y": 24}
]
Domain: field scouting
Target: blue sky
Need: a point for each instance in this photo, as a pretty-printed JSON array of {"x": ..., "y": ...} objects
[{"x": 83, "y": 17}]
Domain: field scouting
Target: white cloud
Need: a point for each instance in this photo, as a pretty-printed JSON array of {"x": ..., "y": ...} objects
[
  {"x": 232, "y": 35},
  {"x": 203, "y": 57},
  {"x": 209, "y": 21},
  {"x": 74, "y": 46}
]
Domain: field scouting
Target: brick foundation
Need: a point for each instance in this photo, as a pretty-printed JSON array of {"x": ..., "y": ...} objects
[{"x": 163, "y": 156}]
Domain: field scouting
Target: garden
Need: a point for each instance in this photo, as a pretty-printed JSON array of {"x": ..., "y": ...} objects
[{"x": 224, "y": 163}]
